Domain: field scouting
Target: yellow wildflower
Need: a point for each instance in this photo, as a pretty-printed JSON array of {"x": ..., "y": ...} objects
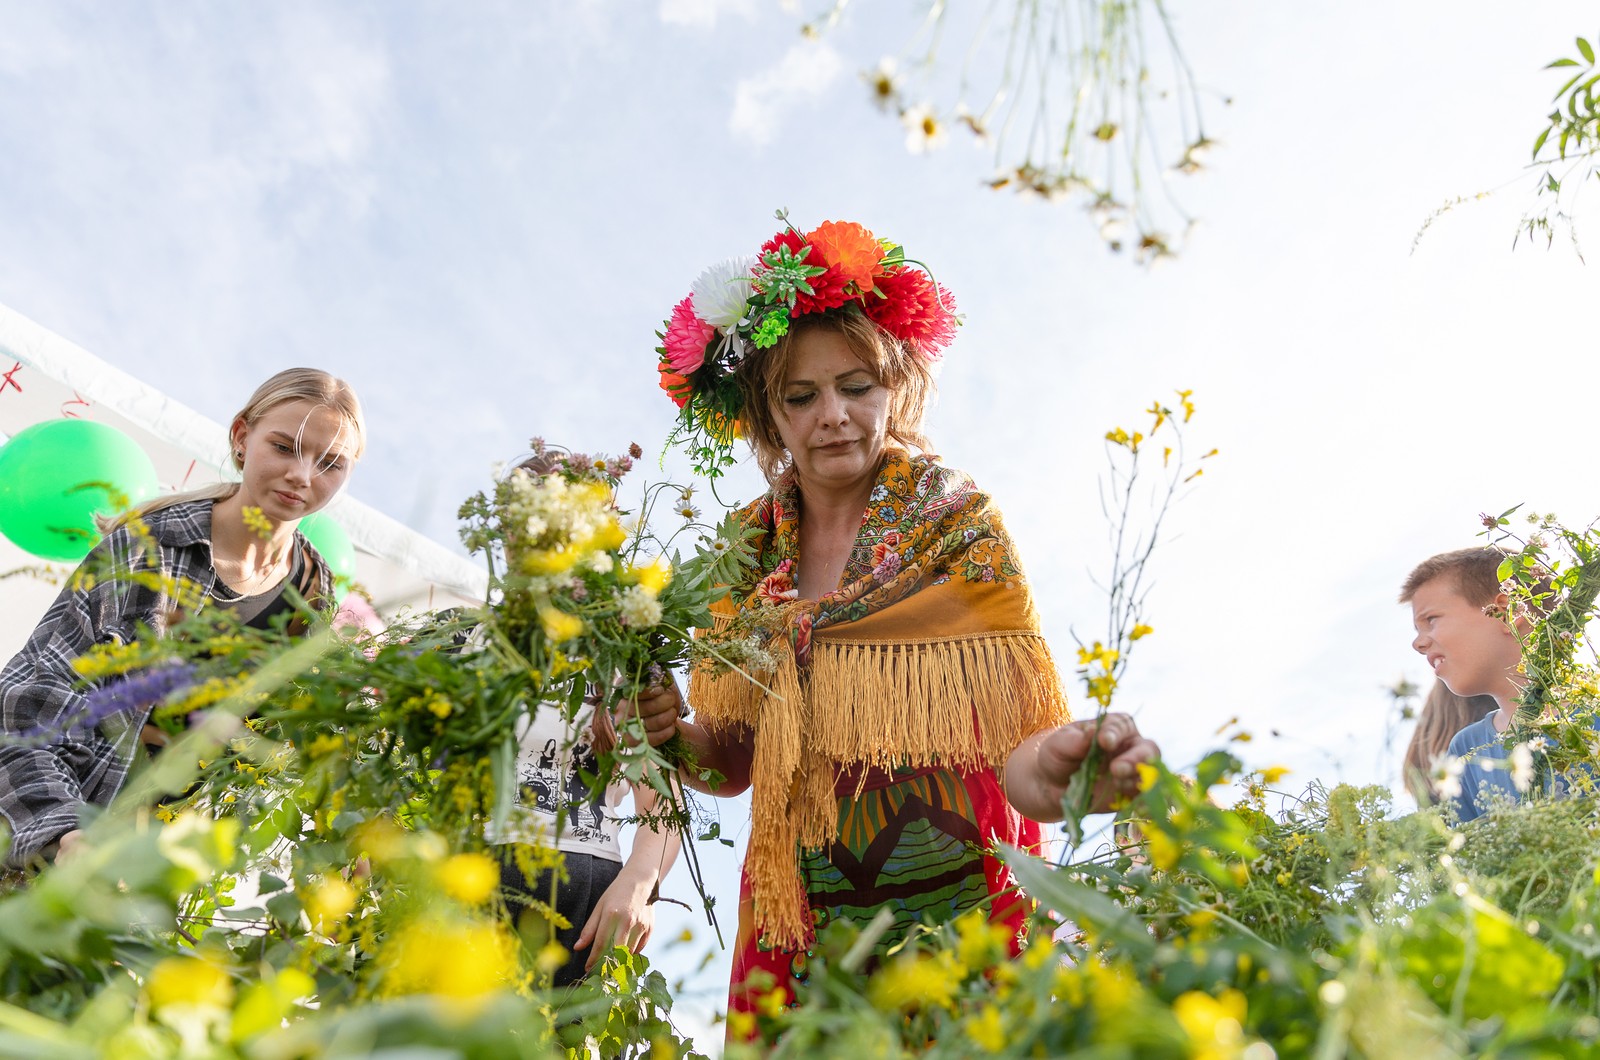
[
  {"x": 741, "y": 1026},
  {"x": 979, "y": 941},
  {"x": 610, "y": 536},
  {"x": 653, "y": 576},
  {"x": 1148, "y": 775},
  {"x": 256, "y": 521},
  {"x": 188, "y": 981},
  {"x": 986, "y": 1029},
  {"x": 1215, "y": 1025},
  {"x": 1273, "y": 774},
  {"x": 558, "y": 625},
  {"x": 462, "y": 960},
  {"x": 470, "y": 878},
  {"x": 771, "y": 1004},
  {"x": 1163, "y": 850},
  {"x": 1188, "y": 406},
  {"x": 1099, "y": 653},
  {"x": 1140, "y": 630},
  {"x": 1101, "y": 687},
  {"x": 330, "y": 902},
  {"x": 325, "y": 744},
  {"x": 914, "y": 981},
  {"x": 551, "y": 955},
  {"x": 1111, "y": 989},
  {"x": 1160, "y": 412}
]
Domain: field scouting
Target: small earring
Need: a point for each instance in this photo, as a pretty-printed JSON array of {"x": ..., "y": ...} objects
[{"x": 238, "y": 457}]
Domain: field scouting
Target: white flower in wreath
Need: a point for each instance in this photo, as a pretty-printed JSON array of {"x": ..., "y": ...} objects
[{"x": 720, "y": 294}]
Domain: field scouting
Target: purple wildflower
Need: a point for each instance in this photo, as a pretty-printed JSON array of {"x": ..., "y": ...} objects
[{"x": 129, "y": 692}]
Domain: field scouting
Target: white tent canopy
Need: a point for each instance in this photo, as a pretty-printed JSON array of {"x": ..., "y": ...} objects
[{"x": 43, "y": 377}]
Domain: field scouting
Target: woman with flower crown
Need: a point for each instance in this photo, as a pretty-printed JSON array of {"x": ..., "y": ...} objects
[{"x": 909, "y": 660}]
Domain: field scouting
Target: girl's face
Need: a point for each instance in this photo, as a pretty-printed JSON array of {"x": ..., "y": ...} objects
[
  {"x": 295, "y": 459},
  {"x": 833, "y": 413}
]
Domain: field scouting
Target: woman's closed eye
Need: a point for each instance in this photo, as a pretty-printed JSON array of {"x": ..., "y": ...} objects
[{"x": 798, "y": 400}]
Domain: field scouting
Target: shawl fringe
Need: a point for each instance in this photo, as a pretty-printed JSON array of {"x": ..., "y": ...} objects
[{"x": 872, "y": 704}]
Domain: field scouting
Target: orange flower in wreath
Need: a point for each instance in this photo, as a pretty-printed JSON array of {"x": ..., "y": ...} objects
[
  {"x": 849, "y": 248},
  {"x": 676, "y": 386}
]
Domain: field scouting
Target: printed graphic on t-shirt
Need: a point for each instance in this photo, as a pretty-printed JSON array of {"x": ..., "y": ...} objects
[
  {"x": 554, "y": 784},
  {"x": 555, "y": 760}
]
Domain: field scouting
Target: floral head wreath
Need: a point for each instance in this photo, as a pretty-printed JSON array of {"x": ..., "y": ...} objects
[{"x": 838, "y": 266}]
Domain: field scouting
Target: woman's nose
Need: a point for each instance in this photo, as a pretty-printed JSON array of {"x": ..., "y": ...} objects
[{"x": 832, "y": 408}]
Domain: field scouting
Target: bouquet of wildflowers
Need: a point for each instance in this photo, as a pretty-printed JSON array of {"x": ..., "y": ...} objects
[{"x": 579, "y": 601}]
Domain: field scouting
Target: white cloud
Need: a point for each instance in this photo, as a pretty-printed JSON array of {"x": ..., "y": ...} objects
[
  {"x": 807, "y": 70},
  {"x": 702, "y": 13}
]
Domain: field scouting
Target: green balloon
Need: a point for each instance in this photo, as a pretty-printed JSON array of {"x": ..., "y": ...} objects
[
  {"x": 333, "y": 545},
  {"x": 56, "y": 476}
]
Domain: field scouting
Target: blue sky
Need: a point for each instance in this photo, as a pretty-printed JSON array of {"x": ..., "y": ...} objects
[{"x": 479, "y": 213}]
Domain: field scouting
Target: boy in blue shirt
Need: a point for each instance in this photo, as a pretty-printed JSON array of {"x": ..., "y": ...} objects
[{"x": 1472, "y": 645}]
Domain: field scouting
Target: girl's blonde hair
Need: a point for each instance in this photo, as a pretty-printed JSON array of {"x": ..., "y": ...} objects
[
  {"x": 292, "y": 384},
  {"x": 1443, "y": 715}
]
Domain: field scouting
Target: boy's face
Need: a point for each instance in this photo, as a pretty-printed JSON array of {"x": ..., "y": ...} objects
[{"x": 1473, "y": 653}]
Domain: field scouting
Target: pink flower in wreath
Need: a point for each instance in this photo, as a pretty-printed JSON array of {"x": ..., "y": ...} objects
[
  {"x": 778, "y": 587},
  {"x": 686, "y": 338}
]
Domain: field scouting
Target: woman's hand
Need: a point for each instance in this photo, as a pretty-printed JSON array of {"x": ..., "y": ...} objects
[
  {"x": 658, "y": 707},
  {"x": 622, "y": 917},
  {"x": 1040, "y": 768}
]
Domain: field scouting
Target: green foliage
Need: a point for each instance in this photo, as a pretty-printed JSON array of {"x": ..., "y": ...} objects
[{"x": 1566, "y": 153}]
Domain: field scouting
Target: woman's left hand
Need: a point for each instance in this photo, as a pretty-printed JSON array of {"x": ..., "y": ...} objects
[
  {"x": 622, "y": 917},
  {"x": 1041, "y": 767}
]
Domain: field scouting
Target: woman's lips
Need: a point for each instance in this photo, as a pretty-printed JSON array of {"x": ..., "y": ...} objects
[{"x": 291, "y": 499}]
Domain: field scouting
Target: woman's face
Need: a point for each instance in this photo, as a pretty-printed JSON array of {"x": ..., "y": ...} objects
[
  {"x": 295, "y": 459},
  {"x": 832, "y": 413}
]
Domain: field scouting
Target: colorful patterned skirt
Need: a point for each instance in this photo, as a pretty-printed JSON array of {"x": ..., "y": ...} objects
[{"x": 913, "y": 842}]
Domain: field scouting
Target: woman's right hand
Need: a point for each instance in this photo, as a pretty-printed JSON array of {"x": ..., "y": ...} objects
[{"x": 658, "y": 708}]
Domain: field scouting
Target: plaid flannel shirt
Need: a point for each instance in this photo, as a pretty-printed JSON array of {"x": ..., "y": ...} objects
[{"x": 44, "y": 789}]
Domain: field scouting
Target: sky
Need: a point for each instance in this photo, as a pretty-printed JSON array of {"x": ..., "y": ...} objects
[{"x": 479, "y": 214}]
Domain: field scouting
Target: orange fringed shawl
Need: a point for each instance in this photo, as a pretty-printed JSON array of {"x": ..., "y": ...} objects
[{"x": 929, "y": 653}]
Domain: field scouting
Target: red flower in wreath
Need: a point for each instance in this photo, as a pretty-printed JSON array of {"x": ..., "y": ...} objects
[
  {"x": 914, "y": 309},
  {"x": 827, "y": 287}
]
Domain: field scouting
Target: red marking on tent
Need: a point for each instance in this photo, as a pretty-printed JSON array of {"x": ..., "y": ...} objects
[
  {"x": 77, "y": 399},
  {"x": 7, "y": 379},
  {"x": 186, "y": 475}
]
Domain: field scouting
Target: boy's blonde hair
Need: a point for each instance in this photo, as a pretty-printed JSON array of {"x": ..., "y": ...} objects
[{"x": 1475, "y": 573}]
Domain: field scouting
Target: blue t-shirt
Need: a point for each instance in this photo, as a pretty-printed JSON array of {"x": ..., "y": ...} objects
[{"x": 1483, "y": 772}]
